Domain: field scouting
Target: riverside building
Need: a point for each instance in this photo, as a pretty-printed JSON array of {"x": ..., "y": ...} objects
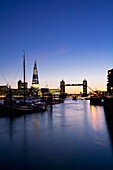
[{"x": 110, "y": 82}]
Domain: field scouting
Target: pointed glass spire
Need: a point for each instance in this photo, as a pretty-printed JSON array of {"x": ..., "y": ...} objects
[{"x": 35, "y": 81}]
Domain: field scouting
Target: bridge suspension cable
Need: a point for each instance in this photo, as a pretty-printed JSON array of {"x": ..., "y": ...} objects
[
  {"x": 5, "y": 79},
  {"x": 90, "y": 88}
]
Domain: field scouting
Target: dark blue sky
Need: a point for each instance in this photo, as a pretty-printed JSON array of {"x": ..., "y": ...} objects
[{"x": 69, "y": 39}]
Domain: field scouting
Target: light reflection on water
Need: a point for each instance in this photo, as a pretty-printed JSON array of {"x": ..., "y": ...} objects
[
  {"x": 73, "y": 136},
  {"x": 96, "y": 114},
  {"x": 98, "y": 124}
]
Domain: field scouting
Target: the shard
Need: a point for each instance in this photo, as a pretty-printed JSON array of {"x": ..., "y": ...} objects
[{"x": 35, "y": 81}]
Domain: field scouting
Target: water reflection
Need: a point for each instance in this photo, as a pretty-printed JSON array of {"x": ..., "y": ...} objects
[
  {"x": 35, "y": 124},
  {"x": 71, "y": 136},
  {"x": 96, "y": 117},
  {"x": 98, "y": 124}
]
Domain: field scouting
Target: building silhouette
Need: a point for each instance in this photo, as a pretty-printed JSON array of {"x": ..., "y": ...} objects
[
  {"x": 3, "y": 90},
  {"x": 110, "y": 82},
  {"x": 21, "y": 85},
  {"x": 35, "y": 80}
]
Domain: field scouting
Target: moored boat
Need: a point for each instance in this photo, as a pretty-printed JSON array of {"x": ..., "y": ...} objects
[
  {"x": 74, "y": 98},
  {"x": 39, "y": 106},
  {"x": 96, "y": 100},
  {"x": 57, "y": 101}
]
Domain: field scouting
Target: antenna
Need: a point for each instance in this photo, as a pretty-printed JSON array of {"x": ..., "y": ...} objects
[
  {"x": 24, "y": 64},
  {"x": 24, "y": 72}
]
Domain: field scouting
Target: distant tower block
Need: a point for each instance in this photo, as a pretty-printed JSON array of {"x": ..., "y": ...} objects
[
  {"x": 62, "y": 87},
  {"x": 35, "y": 81},
  {"x": 84, "y": 87}
]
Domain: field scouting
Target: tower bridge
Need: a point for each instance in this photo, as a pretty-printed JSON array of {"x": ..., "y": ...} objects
[
  {"x": 62, "y": 87},
  {"x": 74, "y": 85}
]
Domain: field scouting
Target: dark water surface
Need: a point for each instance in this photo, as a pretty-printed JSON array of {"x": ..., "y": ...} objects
[{"x": 74, "y": 136}]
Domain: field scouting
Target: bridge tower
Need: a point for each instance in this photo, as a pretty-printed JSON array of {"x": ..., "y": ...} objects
[
  {"x": 62, "y": 87},
  {"x": 84, "y": 87}
]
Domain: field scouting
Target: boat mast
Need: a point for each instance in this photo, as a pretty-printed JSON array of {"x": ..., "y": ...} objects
[{"x": 24, "y": 73}]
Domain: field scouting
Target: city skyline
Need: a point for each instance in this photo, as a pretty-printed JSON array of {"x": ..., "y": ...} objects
[{"x": 70, "y": 40}]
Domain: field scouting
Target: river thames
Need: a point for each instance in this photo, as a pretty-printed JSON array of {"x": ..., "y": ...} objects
[{"x": 75, "y": 135}]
